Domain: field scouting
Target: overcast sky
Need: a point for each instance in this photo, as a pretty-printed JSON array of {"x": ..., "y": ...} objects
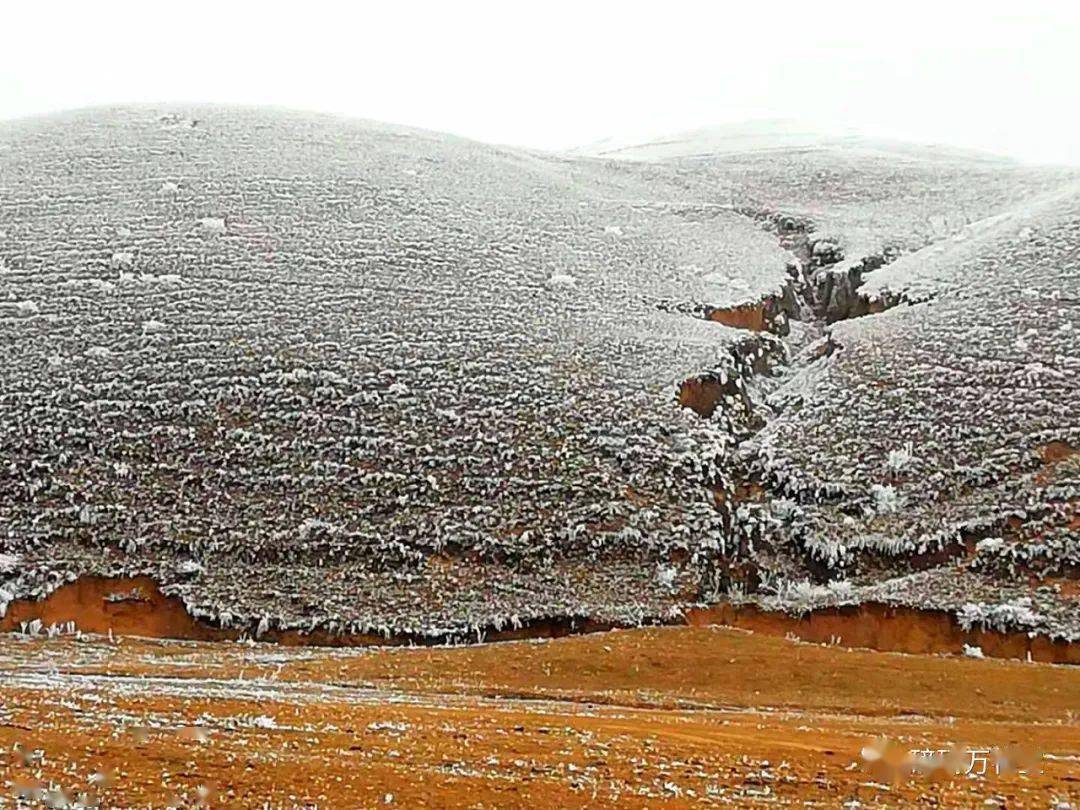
[{"x": 1004, "y": 77}]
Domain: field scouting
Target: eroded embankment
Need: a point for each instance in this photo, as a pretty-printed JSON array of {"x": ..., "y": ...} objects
[
  {"x": 816, "y": 293},
  {"x": 821, "y": 290},
  {"x": 754, "y": 317},
  {"x": 132, "y": 606},
  {"x": 887, "y": 628},
  {"x": 135, "y": 606}
]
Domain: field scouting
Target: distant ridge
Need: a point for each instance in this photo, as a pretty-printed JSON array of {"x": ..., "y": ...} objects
[{"x": 766, "y": 135}]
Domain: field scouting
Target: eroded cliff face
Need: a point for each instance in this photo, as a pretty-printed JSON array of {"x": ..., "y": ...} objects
[
  {"x": 750, "y": 316},
  {"x": 890, "y": 629},
  {"x": 135, "y": 606},
  {"x": 132, "y": 606}
]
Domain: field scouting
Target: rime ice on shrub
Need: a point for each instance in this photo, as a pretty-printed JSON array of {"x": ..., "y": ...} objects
[{"x": 900, "y": 459}]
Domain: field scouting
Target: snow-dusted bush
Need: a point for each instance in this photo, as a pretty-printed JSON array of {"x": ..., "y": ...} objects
[
  {"x": 213, "y": 225},
  {"x": 9, "y": 563},
  {"x": 784, "y": 508},
  {"x": 805, "y": 595},
  {"x": 1005, "y": 616},
  {"x": 561, "y": 280},
  {"x": 900, "y": 459},
  {"x": 887, "y": 501},
  {"x": 123, "y": 259},
  {"x": 666, "y": 576}
]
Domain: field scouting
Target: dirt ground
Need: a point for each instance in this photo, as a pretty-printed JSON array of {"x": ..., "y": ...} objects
[{"x": 666, "y": 717}]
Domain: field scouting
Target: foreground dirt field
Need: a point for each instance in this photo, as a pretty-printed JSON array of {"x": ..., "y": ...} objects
[{"x": 666, "y": 717}]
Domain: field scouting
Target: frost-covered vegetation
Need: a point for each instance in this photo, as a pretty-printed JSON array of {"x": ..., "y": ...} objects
[
  {"x": 929, "y": 435},
  {"x": 311, "y": 373}
]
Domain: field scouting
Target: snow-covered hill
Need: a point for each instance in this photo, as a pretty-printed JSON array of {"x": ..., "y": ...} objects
[
  {"x": 767, "y": 135},
  {"x": 308, "y": 371}
]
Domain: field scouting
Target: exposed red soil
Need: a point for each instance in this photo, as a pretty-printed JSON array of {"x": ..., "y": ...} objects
[
  {"x": 1053, "y": 452},
  {"x": 665, "y": 717},
  {"x": 1051, "y": 455},
  {"x": 130, "y": 606},
  {"x": 748, "y": 316},
  {"x": 1067, "y": 588},
  {"x": 701, "y": 395},
  {"x": 890, "y": 629},
  {"x": 135, "y": 606}
]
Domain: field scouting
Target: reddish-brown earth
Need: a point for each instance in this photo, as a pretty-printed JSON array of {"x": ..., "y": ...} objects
[
  {"x": 1056, "y": 451},
  {"x": 132, "y": 606},
  {"x": 892, "y": 629},
  {"x": 662, "y": 717},
  {"x": 748, "y": 316},
  {"x": 701, "y": 395},
  {"x": 135, "y": 606}
]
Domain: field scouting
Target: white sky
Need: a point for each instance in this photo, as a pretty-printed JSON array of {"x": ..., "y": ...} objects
[{"x": 998, "y": 76}]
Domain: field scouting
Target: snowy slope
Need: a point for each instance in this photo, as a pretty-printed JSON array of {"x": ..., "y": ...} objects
[
  {"x": 766, "y": 135},
  {"x": 978, "y": 375},
  {"x": 316, "y": 372},
  {"x": 292, "y": 349}
]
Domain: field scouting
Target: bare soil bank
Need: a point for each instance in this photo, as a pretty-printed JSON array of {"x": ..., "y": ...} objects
[{"x": 135, "y": 606}]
